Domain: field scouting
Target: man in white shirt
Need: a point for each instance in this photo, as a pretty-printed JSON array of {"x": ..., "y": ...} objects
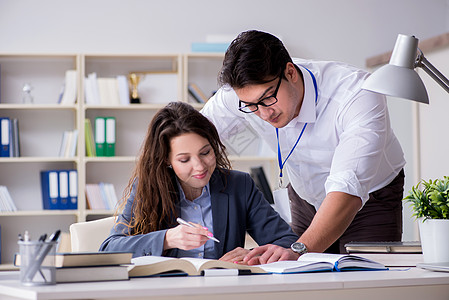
[{"x": 343, "y": 161}]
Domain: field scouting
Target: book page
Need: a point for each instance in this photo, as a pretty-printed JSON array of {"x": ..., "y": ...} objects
[
  {"x": 324, "y": 257},
  {"x": 203, "y": 264},
  {"x": 292, "y": 266},
  {"x": 146, "y": 260},
  {"x": 197, "y": 262}
]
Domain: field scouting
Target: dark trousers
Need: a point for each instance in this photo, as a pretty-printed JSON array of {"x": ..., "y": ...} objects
[{"x": 380, "y": 219}]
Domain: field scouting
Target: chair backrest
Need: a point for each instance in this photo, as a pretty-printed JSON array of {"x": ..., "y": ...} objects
[{"x": 88, "y": 236}]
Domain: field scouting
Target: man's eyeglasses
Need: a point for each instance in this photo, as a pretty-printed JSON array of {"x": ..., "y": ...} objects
[{"x": 265, "y": 102}]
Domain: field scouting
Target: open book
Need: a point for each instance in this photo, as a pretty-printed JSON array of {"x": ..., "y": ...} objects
[
  {"x": 309, "y": 262},
  {"x": 319, "y": 262},
  {"x": 154, "y": 265}
]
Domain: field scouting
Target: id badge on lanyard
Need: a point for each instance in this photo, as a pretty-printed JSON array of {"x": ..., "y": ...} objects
[{"x": 280, "y": 195}]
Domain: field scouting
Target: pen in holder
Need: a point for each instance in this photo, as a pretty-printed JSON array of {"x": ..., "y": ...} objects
[{"x": 37, "y": 262}]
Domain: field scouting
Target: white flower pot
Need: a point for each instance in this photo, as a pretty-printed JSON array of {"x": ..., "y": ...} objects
[{"x": 434, "y": 234}]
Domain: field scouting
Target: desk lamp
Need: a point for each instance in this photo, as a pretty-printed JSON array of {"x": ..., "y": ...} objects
[{"x": 398, "y": 78}]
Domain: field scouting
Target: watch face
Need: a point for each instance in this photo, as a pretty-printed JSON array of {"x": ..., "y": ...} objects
[{"x": 299, "y": 248}]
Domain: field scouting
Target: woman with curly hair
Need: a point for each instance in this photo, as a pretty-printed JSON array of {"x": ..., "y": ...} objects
[{"x": 183, "y": 171}]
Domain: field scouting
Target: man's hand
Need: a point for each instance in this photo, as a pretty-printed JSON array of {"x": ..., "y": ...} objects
[
  {"x": 235, "y": 256},
  {"x": 269, "y": 253}
]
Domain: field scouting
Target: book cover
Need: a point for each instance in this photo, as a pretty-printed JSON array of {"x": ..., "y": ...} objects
[
  {"x": 320, "y": 262},
  {"x": 394, "y": 259},
  {"x": 89, "y": 137},
  {"x": 87, "y": 259},
  {"x": 69, "y": 96},
  {"x": 197, "y": 93},
  {"x": 90, "y": 274},
  {"x": 15, "y": 140},
  {"x": 108, "y": 91},
  {"x": 384, "y": 247},
  {"x": 123, "y": 90},
  {"x": 64, "y": 142}
]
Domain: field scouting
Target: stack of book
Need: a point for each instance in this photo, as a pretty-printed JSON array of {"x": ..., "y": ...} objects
[
  {"x": 101, "y": 196},
  {"x": 68, "y": 143},
  {"x": 89, "y": 266},
  {"x": 391, "y": 254},
  {"x": 106, "y": 90}
]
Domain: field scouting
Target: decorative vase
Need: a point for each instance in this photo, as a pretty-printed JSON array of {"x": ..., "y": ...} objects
[{"x": 434, "y": 234}]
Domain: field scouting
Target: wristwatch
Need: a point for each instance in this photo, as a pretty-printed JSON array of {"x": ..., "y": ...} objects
[{"x": 299, "y": 248}]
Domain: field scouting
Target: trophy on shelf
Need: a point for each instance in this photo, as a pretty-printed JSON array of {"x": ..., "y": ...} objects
[
  {"x": 27, "y": 98},
  {"x": 134, "y": 80}
]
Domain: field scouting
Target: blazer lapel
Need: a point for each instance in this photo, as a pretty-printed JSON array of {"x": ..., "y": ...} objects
[{"x": 220, "y": 207}]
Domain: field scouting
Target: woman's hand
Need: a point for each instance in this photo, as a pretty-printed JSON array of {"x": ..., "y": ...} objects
[
  {"x": 185, "y": 237},
  {"x": 235, "y": 256}
]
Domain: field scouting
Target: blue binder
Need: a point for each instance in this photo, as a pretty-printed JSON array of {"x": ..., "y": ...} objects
[
  {"x": 73, "y": 189},
  {"x": 50, "y": 189},
  {"x": 63, "y": 180},
  {"x": 5, "y": 136}
]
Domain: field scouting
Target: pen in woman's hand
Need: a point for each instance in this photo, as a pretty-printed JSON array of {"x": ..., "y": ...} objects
[{"x": 183, "y": 222}]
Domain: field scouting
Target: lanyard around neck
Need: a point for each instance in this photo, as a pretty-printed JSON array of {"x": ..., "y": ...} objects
[{"x": 282, "y": 163}]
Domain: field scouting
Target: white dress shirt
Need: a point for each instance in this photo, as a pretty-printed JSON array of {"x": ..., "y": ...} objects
[{"x": 348, "y": 144}]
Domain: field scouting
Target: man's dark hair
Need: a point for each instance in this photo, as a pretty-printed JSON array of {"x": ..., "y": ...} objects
[{"x": 254, "y": 57}]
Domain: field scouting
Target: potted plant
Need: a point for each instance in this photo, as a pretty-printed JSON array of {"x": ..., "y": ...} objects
[{"x": 430, "y": 203}]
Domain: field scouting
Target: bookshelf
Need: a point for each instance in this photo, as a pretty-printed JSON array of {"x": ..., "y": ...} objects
[{"x": 42, "y": 124}]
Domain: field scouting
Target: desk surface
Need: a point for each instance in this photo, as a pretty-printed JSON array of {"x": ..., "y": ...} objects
[{"x": 411, "y": 283}]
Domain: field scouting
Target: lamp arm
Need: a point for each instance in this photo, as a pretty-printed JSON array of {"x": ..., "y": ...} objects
[{"x": 436, "y": 75}]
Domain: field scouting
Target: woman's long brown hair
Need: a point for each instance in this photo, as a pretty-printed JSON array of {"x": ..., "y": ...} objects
[{"x": 154, "y": 206}]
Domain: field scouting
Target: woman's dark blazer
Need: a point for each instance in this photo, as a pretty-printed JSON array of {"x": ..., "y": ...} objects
[{"x": 237, "y": 207}]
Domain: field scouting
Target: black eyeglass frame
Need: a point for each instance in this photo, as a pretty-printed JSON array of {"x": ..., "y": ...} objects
[{"x": 242, "y": 104}]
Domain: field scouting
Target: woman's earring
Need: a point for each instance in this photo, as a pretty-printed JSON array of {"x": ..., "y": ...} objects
[{"x": 170, "y": 166}]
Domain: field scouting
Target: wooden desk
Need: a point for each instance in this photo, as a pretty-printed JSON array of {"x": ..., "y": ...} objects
[{"x": 409, "y": 284}]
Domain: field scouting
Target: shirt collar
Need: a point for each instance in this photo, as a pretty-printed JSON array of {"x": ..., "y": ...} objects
[{"x": 307, "y": 113}]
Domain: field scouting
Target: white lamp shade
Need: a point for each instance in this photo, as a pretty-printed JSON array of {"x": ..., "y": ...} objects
[{"x": 398, "y": 82}]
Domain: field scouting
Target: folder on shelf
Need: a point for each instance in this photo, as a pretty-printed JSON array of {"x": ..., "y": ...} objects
[
  {"x": 63, "y": 202},
  {"x": 73, "y": 189},
  {"x": 5, "y": 139},
  {"x": 50, "y": 189},
  {"x": 89, "y": 139},
  {"x": 15, "y": 144},
  {"x": 197, "y": 93},
  {"x": 110, "y": 136},
  {"x": 100, "y": 136}
]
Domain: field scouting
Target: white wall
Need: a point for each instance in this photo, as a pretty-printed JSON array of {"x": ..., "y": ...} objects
[{"x": 345, "y": 30}]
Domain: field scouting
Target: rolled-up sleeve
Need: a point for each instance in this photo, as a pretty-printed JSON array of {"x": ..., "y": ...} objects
[{"x": 358, "y": 155}]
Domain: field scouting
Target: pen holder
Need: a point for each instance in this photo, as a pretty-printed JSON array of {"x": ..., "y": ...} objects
[{"x": 37, "y": 263}]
